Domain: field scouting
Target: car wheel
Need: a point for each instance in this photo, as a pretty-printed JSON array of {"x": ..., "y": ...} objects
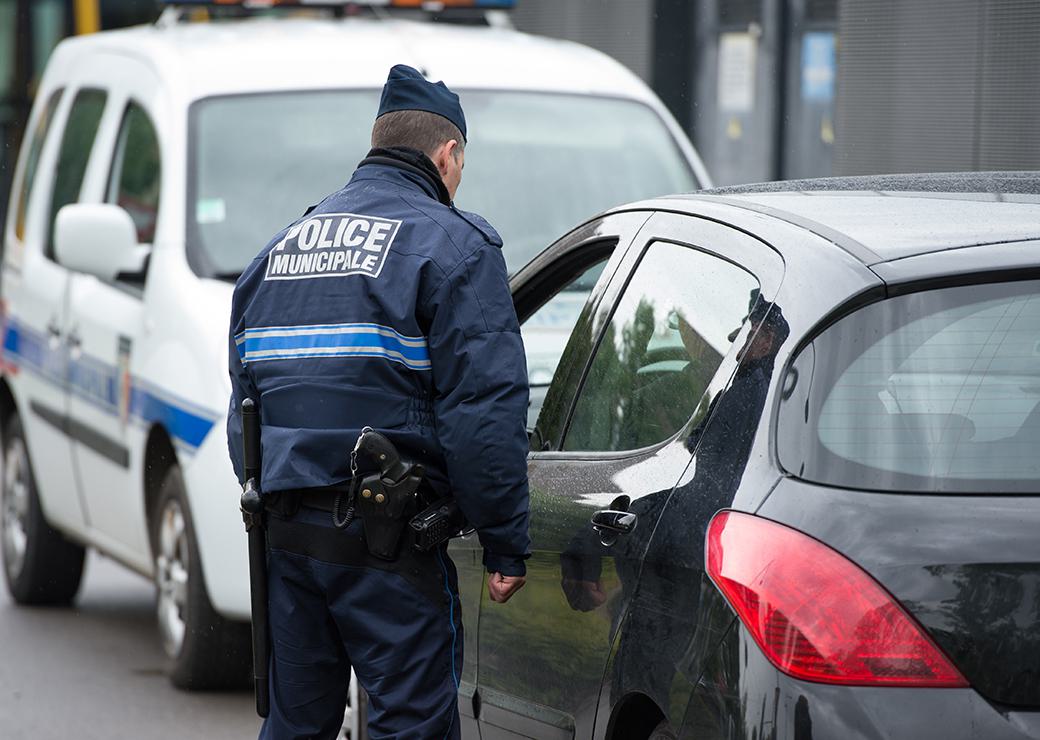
[
  {"x": 41, "y": 566},
  {"x": 205, "y": 650},
  {"x": 355, "y": 720},
  {"x": 663, "y": 731}
]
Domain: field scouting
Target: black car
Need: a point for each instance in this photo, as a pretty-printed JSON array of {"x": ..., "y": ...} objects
[{"x": 784, "y": 481}]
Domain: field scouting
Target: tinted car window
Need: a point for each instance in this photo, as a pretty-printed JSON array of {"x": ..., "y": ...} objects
[
  {"x": 76, "y": 142},
  {"x": 668, "y": 335},
  {"x": 39, "y": 135},
  {"x": 934, "y": 391},
  {"x": 136, "y": 171}
]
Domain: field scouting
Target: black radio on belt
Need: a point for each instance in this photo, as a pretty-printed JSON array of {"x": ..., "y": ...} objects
[{"x": 438, "y": 523}]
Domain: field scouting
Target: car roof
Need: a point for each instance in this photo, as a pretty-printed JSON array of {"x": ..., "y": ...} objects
[
  {"x": 267, "y": 54},
  {"x": 889, "y": 217}
]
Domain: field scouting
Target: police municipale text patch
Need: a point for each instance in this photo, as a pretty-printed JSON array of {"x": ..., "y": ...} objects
[{"x": 332, "y": 245}]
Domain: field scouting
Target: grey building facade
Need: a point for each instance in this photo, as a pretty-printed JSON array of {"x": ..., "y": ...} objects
[{"x": 797, "y": 88}]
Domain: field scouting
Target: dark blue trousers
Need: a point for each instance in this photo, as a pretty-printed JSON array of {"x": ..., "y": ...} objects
[{"x": 333, "y": 606}]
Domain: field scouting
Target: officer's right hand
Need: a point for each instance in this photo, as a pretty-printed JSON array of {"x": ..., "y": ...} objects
[{"x": 501, "y": 588}]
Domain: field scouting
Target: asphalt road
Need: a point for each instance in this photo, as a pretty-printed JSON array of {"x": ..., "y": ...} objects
[{"x": 96, "y": 670}]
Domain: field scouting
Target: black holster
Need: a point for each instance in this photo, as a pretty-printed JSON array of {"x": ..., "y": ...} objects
[{"x": 385, "y": 508}]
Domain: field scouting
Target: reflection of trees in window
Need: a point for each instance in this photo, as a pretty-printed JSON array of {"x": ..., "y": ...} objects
[
  {"x": 667, "y": 337},
  {"x": 640, "y": 391}
]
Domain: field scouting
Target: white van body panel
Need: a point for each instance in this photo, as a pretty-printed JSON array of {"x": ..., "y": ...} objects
[{"x": 158, "y": 355}]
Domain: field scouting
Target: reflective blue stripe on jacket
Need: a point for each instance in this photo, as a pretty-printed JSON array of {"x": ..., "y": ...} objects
[{"x": 386, "y": 306}]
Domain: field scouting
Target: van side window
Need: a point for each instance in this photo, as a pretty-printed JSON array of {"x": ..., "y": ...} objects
[
  {"x": 134, "y": 180},
  {"x": 39, "y": 135},
  {"x": 76, "y": 143}
]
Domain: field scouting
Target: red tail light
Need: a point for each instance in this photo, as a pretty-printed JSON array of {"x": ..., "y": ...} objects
[{"x": 816, "y": 615}]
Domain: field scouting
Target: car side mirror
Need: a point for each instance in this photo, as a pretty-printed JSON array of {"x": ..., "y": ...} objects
[{"x": 99, "y": 239}]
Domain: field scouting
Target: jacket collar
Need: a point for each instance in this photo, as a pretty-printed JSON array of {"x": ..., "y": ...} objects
[{"x": 409, "y": 165}]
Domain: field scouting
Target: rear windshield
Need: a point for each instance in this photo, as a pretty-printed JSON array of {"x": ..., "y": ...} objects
[
  {"x": 537, "y": 164},
  {"x": 935, "y": 391}
]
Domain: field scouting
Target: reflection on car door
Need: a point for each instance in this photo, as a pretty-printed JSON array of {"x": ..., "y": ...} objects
[
  {"x": 583, "y": 259},
  {"x": 655, "y": 652},
  {"x": 570, "y": 270},
  {"x": 634, "y": 378},
  {"x": 106, "y": 320}
]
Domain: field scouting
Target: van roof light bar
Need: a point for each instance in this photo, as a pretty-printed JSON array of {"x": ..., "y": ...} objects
[{"x": 429, "y": 5}]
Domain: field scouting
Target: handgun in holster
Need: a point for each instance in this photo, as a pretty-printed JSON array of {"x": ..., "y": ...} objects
[{"x": 388, "y": 499}]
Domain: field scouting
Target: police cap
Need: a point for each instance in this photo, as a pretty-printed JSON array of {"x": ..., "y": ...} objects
[{"x": 407, "y": 89}]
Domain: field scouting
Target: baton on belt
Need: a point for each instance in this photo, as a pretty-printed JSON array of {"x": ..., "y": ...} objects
[{"x": 252, "y": 515}]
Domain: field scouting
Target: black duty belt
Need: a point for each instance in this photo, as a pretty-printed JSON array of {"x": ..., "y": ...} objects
[
  {"x": 330, "y": 545},
  {"x": 322, "y": 499}
]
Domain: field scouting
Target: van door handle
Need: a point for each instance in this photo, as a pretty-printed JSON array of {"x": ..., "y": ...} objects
[{"x": 53, "y": 333}]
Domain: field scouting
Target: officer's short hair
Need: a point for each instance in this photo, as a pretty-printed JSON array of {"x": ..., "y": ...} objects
[{"x": 415, "y": 129}]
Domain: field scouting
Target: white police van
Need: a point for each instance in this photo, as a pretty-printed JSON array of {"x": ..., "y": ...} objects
[{"x": 157, "y": 161}]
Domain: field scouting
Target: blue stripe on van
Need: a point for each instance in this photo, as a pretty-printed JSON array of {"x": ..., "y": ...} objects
[{"x": 99, "y": 383}]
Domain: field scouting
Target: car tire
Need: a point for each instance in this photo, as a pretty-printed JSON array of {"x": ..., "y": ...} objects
[
  {"x": 663, "y": 731},
  {"x": 205, "y": 650},
  {"x": 355, "y": 719},
  {"x": 41, "y": 565}
]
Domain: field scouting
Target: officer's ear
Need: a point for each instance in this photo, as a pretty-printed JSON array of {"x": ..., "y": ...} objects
[{"x": 446, "y": 156}]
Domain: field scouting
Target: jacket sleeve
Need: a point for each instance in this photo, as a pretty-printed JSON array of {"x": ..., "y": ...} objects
[
  {"x": 480, "y": 405},
  {"x": 241, "y": 388}
]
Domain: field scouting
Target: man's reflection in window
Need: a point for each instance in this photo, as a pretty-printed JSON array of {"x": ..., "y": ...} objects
[{"x": 663, "y": 619}]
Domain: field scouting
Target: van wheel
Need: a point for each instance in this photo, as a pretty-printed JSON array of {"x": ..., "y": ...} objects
[
  {"x": 41, "y": 566},
  {"x": 355, "y": 719},
  {"x": 663, "y": 731},
  {"x": 205, "y": 650}
]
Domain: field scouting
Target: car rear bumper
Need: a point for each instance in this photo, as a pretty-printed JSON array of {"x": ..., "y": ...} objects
[{"x": 741, "y": 695}]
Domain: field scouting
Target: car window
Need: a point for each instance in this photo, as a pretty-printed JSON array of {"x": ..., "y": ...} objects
[
  {"x": 39, "y": 135},
  {"x": 76, "y": 143},
  {"x": 136, "y": 171},
  {"x": 933, "y": 391},
  {"x": 537, "y": 163},
  {"x": 546, "y": 331},
  {"x": 673, "y": 325}
]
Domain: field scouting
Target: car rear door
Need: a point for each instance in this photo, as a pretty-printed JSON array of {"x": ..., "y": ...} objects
[
  {"x": 608, "y": 447},
  {"x": 106, "y": 319}
]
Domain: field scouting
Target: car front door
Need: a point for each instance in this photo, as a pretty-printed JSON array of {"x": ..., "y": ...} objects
[
  {"x": 36, "y": 350},
  {"x": 107, "y": 319},
  {"x": 549, "y": 294},
  {"x": 608, "y": 448}
]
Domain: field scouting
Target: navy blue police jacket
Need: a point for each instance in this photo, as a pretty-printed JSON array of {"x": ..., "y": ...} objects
[{"x": 386, "y": 306}]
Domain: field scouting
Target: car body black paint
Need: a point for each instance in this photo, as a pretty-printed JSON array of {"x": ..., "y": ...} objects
[{"x": 600, "y": 624}]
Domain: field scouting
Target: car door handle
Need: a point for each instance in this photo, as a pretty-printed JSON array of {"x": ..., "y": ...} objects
[{"x": 616, "y": 522}]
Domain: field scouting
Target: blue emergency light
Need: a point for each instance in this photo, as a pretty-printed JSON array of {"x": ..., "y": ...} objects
[{"x": 433, "y": 5}]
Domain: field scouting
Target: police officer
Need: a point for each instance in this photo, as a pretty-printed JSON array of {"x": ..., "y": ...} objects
[{"x": 383, "y": 306}]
